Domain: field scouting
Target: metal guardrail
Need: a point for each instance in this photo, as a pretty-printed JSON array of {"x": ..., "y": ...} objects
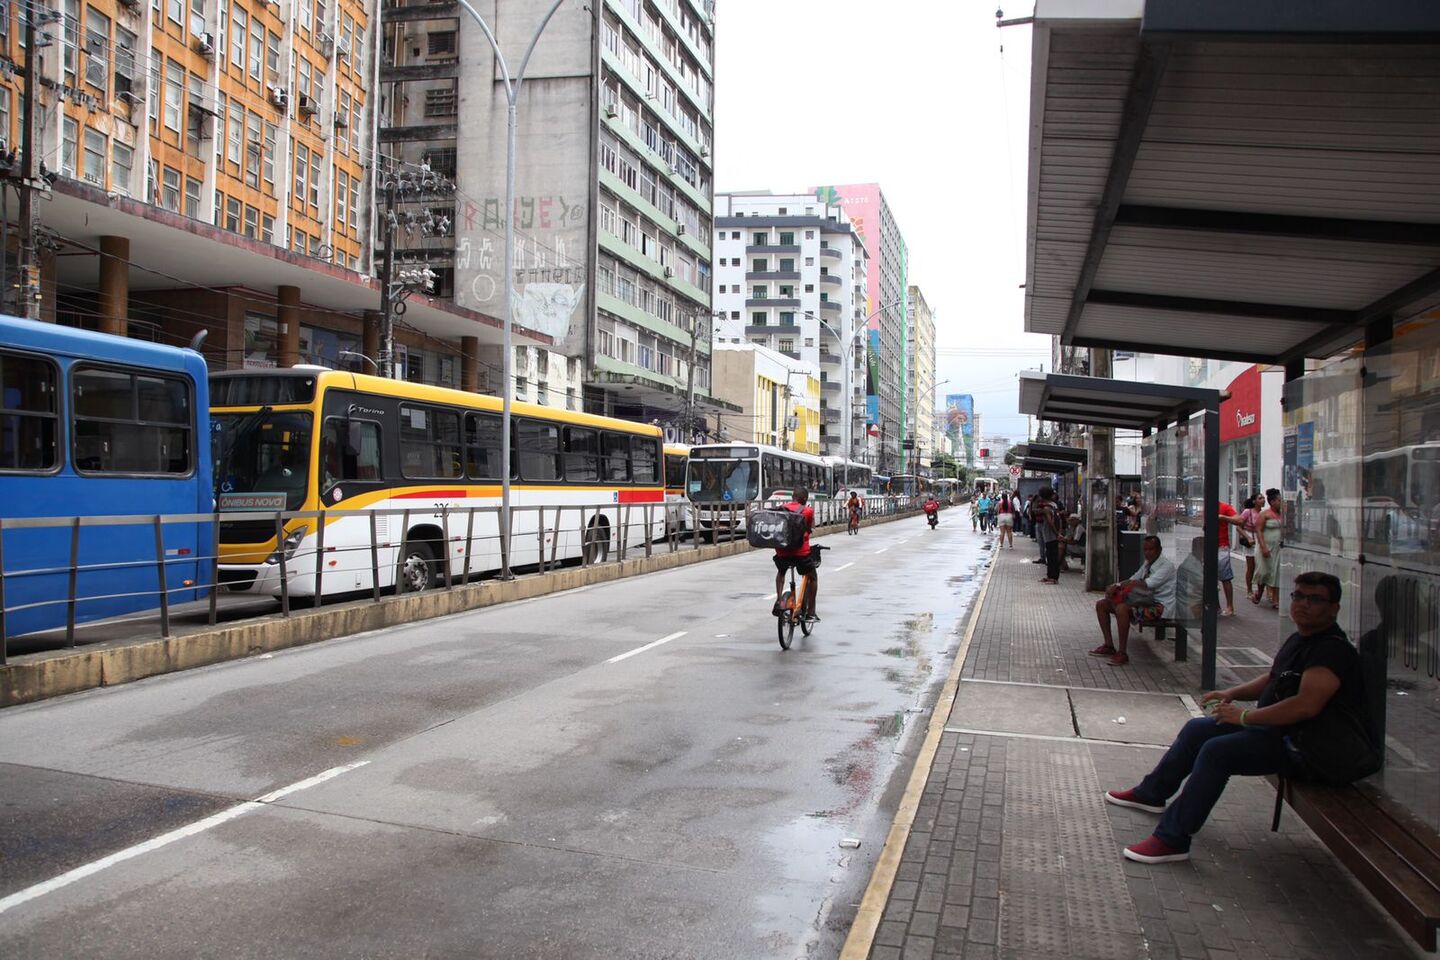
[{"x": 601, "y": 533}]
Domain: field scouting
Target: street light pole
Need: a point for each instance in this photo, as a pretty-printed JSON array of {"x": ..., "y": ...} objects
[{"x": 512, "y": 93}]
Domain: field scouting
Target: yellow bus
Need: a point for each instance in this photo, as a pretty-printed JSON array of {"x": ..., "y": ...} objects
[
  {"x": 307, "y": 439},
  {"x": 677, "y": 458}
]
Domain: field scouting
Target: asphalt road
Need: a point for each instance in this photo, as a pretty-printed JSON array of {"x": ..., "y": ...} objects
[{"x": 502, "y": 783}]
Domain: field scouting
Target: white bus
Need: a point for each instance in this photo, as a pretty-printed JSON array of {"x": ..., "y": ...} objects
[
  {"x": 848, "y": 475},
  {"x": 722, "y": 474}
]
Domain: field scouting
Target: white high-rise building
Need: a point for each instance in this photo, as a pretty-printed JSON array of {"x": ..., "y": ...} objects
[{"x": 790, "y": 274}]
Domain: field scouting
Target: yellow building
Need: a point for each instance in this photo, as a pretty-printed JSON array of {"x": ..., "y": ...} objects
[{"x": 778, "y": 397}]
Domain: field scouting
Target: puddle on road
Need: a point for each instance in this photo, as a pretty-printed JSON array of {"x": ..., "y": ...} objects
[{"x": 911, "y": 648}]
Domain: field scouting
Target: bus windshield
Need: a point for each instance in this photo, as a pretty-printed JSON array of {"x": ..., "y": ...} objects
[
  {"x": 711, "y": 480},
  {"x": 258, "y": 455}
]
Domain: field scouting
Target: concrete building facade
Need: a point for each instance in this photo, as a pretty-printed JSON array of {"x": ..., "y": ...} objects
[
  {"x": 613, "y": 184},
  {"x": 920, "y": 386},
  {"x": 790, "y": 275},
  {"x": 777, "y": 397},
  {"x": 887, "y": 320}
]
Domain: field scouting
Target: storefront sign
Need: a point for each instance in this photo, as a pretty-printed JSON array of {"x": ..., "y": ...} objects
[{"x": 1240, "y": 415}]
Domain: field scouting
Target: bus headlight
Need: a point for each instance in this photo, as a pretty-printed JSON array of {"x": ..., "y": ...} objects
[{"x": 290, "y": 544}]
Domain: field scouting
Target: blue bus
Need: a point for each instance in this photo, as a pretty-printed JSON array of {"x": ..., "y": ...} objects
[{"x": 95, "y": 425}]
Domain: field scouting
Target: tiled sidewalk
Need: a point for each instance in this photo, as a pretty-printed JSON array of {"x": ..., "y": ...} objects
[{"x": 1014, "y": 854}]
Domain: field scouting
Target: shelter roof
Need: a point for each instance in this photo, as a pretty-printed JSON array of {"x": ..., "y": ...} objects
[{"x": 1101, "y": 402}]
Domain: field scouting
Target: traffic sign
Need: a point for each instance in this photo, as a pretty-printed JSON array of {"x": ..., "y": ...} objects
[{"x": 1014, "y": 469}]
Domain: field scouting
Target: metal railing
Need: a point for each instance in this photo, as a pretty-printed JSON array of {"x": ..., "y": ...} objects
[{"x": 83, "y": 569}]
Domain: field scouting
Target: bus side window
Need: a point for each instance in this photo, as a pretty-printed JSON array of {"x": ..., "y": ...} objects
[
  {"x": 482, "y": 446},
  {"x": 643, "y": 453},
  {"x": 538, "y": 451},
  {"x": 350, "y": 450},
  {"x": 616, "y": 463},
  {"x": 582, "y": 455},
  {"x": 28, "y": 416}
]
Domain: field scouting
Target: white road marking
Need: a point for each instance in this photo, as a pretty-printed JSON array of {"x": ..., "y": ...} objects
[
  {"x": 165, "y": 839},
  {"x": 850, "y": 564},
  {"x": 906, "y": 540},
  {"x": 882, "y": 550},
  {"x": 656, "y": 643}
]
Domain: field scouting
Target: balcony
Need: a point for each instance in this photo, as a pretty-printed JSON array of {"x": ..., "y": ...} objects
[
  {"x": 832, "y": 254},
  {"x": 830, "y": 306},
  {"x": 830, "y": 386},
  {"x": 831, "y": 279},
  {"x": 761, "y": 329},
  {"x": 790, "y": 303},
  {"x": 828, "y": 357},
  {"x": 773, "y": 275},
  {"x": 832, "y": 416},
  {"x": 773, "y": 248},
  {"x": 792, "y": 354}
]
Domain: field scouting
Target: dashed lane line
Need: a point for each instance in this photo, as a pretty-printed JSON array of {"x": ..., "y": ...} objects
[
  {"x": 654, "y": 643},
  {"x": 882, "y": 550},
  {"x": 165, "y": 839},
  {"x": 850, "y": 564}
]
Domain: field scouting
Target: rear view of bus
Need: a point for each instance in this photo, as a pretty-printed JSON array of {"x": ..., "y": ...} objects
[{"x": 95, "y": 427}]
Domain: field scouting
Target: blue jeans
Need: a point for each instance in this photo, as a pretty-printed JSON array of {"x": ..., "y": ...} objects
[{"x": 1209, "y": 753}]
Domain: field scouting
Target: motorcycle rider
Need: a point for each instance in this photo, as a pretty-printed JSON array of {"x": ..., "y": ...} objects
[{"x": 932, "y": 510}]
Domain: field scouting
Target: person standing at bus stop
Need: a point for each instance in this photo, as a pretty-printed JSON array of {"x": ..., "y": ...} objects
[{"x": 1047, "y": 531}]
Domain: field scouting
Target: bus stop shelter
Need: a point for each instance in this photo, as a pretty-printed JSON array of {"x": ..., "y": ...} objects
[{"x": 1181, "y": 473}]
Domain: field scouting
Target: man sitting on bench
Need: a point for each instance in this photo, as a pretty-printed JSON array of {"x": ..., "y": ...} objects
[
  {"x": 1249, "y": 742},
  {"x": 1144, "y": 597}
]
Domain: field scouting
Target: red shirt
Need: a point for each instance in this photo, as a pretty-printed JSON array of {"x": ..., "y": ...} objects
[
  {"x": 1225, "y": 511},
  {"x": 804, "y": 549}
]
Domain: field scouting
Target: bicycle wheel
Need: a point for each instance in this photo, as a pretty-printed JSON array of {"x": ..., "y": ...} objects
[{"x": 785, "y": 624}]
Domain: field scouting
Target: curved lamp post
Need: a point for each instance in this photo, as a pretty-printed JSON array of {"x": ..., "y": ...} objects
[{"x": 512, "y": 93}]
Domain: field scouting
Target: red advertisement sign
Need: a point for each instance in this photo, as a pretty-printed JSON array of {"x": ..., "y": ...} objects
[{"x": 1240, "y": 415}]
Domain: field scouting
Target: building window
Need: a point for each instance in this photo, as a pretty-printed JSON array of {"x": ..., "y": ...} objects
[
  {"x": 257, "y": 48},
  {"x": 252, "y": 222},
  {"x": 97, "y": 50},
  {"x": 440, "y": 102},
  {"x": 787, "y": 239},
  {"x": 267, "y": 164},
  {"x": 170, "y": 190},
  {"x": 175, "y": 10},
  {"x": 95, "y": 154},
  {"x": 253, "y": 127},
  {"x": 760, "y": 292},
  {"x": 174, "y": 91},
  {"x": 758, "y": 319},
  {"x": 302, "y": 173},
  {"x": 236, "y": 133},
  {"x": 122, "y": 159},
  {"x": 69, "y": 135},
  {"x": 267, "y": 228},
  {"x": 232, "y": 214},
  {"x": 192, "y": 198},
  {"x": 759, "y": 266},
  {"x": 237, "y": 38},
  {"x": 759, "y": 239},
  {"x": 442, "y": 43},
  {"x": 787, "y": 345}
]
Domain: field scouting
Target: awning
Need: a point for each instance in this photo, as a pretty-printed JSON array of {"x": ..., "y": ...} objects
[
  {"x": 1049, "y": 457},
  {"x": 1101, "y": 402},
  {"x": 1231, "y": 179}
]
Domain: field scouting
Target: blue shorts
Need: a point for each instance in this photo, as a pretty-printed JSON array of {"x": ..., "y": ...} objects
[{"x": 1223, "y": 571}]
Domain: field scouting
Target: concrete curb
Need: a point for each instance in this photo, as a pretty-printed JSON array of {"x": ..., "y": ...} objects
[{"x": 29, "y": 678}]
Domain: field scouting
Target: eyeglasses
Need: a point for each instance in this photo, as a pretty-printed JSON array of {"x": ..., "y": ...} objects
[{"x": 1315, "y": 598}]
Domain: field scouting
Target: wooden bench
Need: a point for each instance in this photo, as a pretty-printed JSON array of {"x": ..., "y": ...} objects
[{"x": 1392, "y": 853}]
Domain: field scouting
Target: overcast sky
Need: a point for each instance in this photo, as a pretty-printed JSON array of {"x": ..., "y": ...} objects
[{"x": 917, "y": 96}]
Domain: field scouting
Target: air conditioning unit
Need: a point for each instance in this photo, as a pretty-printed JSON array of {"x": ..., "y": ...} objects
[
  {"x": 680, "y": 230},
  {"x": 610, "y": 112},
  {"x": 205, "y": 43},
  {"x": 280, "y": 97},
  {"x": 340, "y": 121},
  {"x": 704, "y": 151},
  {"x": 669, "y": 272},
  {"x": 307, "y": 106},
  {"x": 342, "y": 46},
  {"x": 326, "y": 43}
]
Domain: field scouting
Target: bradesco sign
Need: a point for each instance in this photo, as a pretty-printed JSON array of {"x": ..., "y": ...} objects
[{"x": 1240, "y": 415}]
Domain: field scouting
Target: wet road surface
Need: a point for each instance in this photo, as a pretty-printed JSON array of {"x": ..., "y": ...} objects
[{"x": 539, "y": 779}]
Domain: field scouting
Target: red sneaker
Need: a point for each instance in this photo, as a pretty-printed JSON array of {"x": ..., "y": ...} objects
[
  {"x": 1104, "y": 650},
  {"x": 1128, "y": 798},
  {"x": 1153, "y": 850}
]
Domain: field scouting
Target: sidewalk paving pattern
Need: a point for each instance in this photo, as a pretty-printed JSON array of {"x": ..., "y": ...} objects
[{"x": 1014, "y": 853}]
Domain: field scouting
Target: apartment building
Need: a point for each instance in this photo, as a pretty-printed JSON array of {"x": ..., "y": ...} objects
[
  {"x": 613, "y": 186},
  {"x": 790, "y": 275},
  {"x": 916, "y": 457},
  {"x": 776, "y": 397},
  {"x": 887, "y": 320}
]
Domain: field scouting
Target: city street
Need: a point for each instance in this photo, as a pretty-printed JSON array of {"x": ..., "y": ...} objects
[{"x": 634, "y": 769}]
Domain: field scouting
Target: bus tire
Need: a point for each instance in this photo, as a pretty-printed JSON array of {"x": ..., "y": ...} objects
[
  {"x": 417, "y": 570},
  {"x": 597, "y": 541}
]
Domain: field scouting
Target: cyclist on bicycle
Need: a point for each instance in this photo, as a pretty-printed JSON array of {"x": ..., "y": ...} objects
[
  {"x": 854, "y": 507},
  {"x": 799, "y": 557}
]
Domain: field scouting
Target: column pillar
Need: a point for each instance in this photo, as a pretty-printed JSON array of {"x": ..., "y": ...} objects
[
  {"x": 114, "y": 293},
  {"x": 1099, "y": 492},
  {"x": 289, "y": 318},
  {"x": 370, "y": 340},
  {"x": 470, "y": 364}
]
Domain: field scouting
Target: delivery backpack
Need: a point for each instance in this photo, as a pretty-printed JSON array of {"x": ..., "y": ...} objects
[{"x": 776, "y": 529}]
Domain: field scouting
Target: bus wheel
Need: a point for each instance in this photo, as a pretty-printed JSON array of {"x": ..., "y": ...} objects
[
  {"x": 597, "y": 542},
  {"x": 417, "y": 570}
]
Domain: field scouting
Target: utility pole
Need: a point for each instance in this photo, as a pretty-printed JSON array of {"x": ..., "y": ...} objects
[
  {"x": 29, "y": 173},
  {"x": 387, "y": 275}
]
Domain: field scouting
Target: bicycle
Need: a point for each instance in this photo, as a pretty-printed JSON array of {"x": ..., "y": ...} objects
[
  {"x": 792, "y": 604},
  {"x": 854, "y": 527}
]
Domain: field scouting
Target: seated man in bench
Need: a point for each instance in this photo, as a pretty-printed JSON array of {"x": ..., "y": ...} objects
[
  {"x": 1144, "y": 597},
  {"x": 1249, "y": 741}
]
